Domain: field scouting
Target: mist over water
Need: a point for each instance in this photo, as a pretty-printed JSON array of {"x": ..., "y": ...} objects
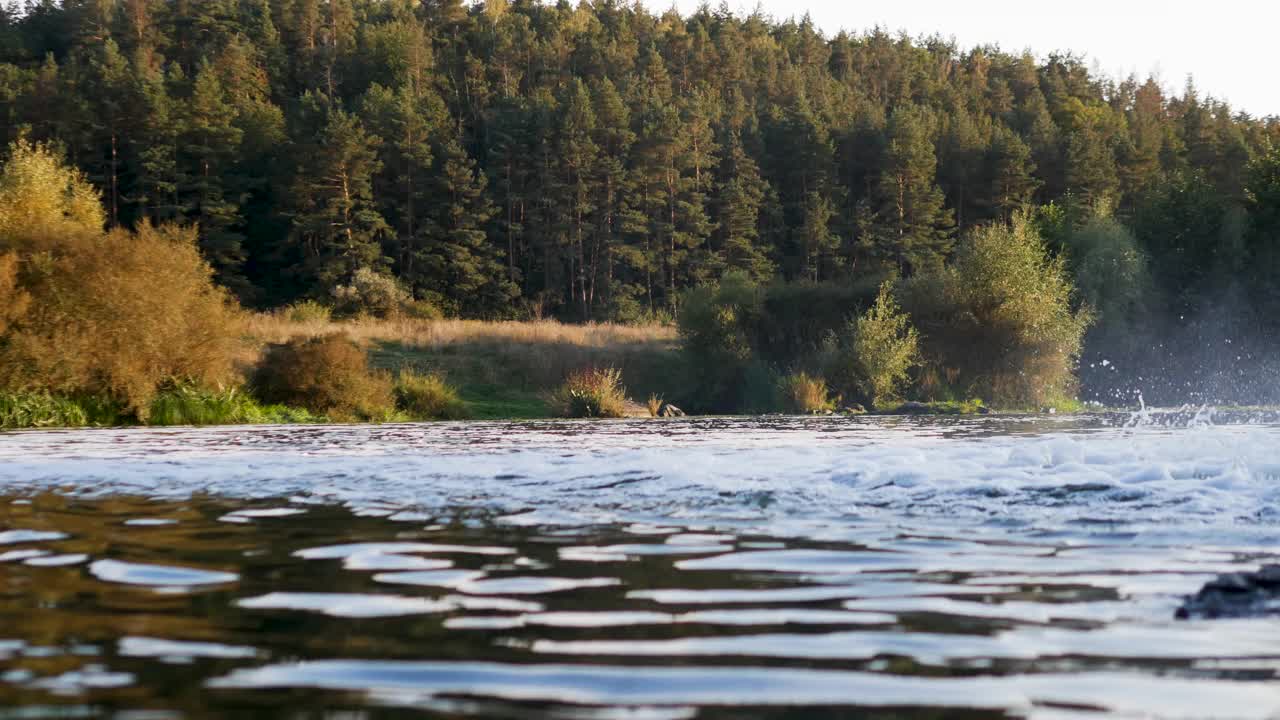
[
  {"x": 1222, "y": 353},
  {"x": 771, "y": 567}
]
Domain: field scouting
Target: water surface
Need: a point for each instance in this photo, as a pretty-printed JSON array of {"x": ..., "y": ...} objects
[{"x": 993, "y": 567}]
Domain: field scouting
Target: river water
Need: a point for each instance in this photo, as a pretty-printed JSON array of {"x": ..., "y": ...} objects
[{"x": 760, "y": 568}]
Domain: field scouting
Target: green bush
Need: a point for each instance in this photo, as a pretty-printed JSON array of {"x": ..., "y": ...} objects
[
  {"x": 805, "y": 394},
  {"x": 998, "y": 323},
  {"x": 591, "y": 393},
  {"x": 308, "y": 311},
  {"x": 328, "y": 376},
  {"x": 717, "y": 325},
  {"x": 428, "y": 397},
  {"x": 874, "y": 357}
]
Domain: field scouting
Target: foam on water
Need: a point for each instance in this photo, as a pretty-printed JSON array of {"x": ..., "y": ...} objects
[{"x": 783, "y": 478}]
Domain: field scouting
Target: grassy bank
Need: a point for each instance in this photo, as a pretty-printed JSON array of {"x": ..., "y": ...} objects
[
  {"x": 178, "y": 406},
  {"x": 501, "y": 370}
]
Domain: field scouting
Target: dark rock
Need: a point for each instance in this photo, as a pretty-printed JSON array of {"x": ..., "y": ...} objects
[
  {"x": 984, "y": 410},
  {"x": 1268, "y": 576},
  {"x": 671, "y": 411},
  {"x": 1236, "y": 595}
]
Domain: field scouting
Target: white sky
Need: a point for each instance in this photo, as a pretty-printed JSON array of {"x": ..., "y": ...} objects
[{"x": 1231, "y": 47}]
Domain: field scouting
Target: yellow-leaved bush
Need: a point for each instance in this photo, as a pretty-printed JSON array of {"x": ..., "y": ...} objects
[{"x": 116, "y": 315}]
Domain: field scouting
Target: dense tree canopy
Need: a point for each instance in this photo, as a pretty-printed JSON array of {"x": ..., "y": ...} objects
[{"x": 594, "y": 161}]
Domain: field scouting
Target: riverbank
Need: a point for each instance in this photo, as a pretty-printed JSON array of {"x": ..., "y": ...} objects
[
  {"x": 501, "y": 370},
  {"x": 498, "y": 370}
]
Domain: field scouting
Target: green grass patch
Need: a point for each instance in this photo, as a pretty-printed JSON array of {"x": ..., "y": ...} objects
[
  {"x": 946, "y": 407},
  {"x": 39, "y": 410},
  {"x": 175, "y": 406}
]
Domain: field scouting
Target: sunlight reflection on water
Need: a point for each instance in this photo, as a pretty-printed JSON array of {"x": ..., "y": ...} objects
[{"x": 718, "y": 568}]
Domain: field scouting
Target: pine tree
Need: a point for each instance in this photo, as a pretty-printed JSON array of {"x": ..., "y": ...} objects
[
  {"x": 336, "y": 223},
  {"x": 109, "y": 78},
  {"x": 208, "y": 149},
  {"x": 616, "y": 216},
  {"x": 1010, "y": 175},
  {"x": 408, "y": 123},
  {"x": 155, "y": 150},
  {"x": 1091, "y": 168},
  {"x": 741, "y": 193},
  {"x": 574, "y": 197},
  {"x": 462, "y": 270},
  {"x": 911, "y": 210}
]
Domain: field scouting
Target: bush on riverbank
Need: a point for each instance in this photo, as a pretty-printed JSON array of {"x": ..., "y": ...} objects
[
  {"x": 39, "y": 410},
  {"x": 874, "y": 357},
  {"x": 175, "y": 406},
  {"x": 998, "y": 322},
  {"x": 189, "y": 405},
  {"x": 426, "y": 396},
  {"x": 113, "y": 315},
  {"x": 805, "y": 394},
  {"x": 327, "y": 375},
  {"x": 591, "y": 393},
  {"x": 718, "y": 324}
]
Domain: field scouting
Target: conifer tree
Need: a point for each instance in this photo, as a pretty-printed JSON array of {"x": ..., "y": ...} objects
[
  {"x": 336, "y": 224},
  {"x": 208, "y": 149},
  {"x": 741, "y": 193},
  {"x": 911, "y": 208}
]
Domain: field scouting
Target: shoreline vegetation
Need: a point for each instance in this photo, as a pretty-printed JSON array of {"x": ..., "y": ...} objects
[
  {"x": 373, "y": 211},
  {"x": 91, "y": 338}
]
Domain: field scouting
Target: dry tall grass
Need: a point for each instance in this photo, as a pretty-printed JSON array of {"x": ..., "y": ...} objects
[
  {"x": 278, "y": 327},
  {"x": 532, "y": 356}
]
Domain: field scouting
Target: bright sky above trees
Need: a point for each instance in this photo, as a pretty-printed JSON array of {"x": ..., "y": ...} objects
[{"x": 1227, "y": 45}]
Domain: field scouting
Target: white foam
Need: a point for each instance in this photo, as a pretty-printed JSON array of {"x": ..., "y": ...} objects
[{"x": 782, "y": 478}]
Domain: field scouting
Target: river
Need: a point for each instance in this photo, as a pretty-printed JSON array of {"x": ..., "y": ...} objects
[{"x": 638, "y": 570}]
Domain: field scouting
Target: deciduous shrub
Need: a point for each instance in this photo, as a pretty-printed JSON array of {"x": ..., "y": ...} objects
[
  {"x": 109, "y": 315},
  {"x": 13, "y": 299},
  {"x": 119, "y": 317},
  {"x": 999, "y": 320},
  {"x": 428, "y": 397},
  {"x": 874, "y": 356},
  {"x": 327, "y": 375},
  {"x": 45, "y": 205},
  {"x": 591, "y": 393},
  {"x": 805, "y": 394},
  {"x": 308, "y": 311},
  {"x": 370, "y": 292},
  {"x": 422, "y": 310}
]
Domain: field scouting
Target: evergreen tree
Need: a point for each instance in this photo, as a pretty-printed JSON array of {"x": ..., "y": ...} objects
[
  {"x": 208, "y": 149},
  {"x": 336, "y": 223},
  {"x": 1010, "y": 175},
  {"x": 462, "y": 271},
  {"x": 911, "y": 208},
  {"x": 741, "y": 194}
]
